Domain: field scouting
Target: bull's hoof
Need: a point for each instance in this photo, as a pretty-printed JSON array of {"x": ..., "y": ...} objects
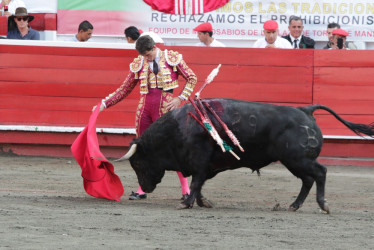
[
  {"x": 203, "y": 202},
  {"x": 182, "y": 205},
  {"x": 185, "y": 197},
  {"x": 326, "y": 209},
  {"x": 293, "y": 209}
]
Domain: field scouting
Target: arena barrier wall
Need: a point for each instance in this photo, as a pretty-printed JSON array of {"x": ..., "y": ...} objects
[
  {"x": 47, "y": 92},
  {"x": 3, "y": 26}
]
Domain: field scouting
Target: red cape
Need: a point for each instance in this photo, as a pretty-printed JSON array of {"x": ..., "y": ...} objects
[{"x": 99, "y": 179}]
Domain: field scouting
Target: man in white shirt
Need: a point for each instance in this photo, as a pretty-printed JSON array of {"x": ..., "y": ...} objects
[
  {"x": 85, "y": 31},
  {"x": 271, "y": 39},
  {"x": 205, "y": 35}
]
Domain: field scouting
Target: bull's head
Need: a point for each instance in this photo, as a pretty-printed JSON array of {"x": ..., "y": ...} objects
[{"x": 145, "y": 165}]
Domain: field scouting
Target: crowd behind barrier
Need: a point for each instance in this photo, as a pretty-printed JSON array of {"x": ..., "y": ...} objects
[{"x": 46, "y": 25}]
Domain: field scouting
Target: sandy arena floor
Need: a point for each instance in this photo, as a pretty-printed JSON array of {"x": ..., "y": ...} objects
[{"x": 43, "y": 206}]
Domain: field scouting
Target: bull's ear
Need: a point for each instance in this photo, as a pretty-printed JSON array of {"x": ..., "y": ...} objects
[{"x": 128, "y": 155}]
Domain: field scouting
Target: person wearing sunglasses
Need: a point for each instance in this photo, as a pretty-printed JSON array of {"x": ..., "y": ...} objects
[{"x": 23, "y": 30}]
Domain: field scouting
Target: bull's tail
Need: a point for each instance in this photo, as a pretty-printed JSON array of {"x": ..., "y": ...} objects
[{"x": 359, "y": 129}]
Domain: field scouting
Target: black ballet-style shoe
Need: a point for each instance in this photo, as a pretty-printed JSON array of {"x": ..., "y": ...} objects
[{"x": 136, "y": 196}]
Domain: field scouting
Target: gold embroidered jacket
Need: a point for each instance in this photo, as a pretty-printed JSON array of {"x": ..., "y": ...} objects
[{"x": 171, "y": 65}]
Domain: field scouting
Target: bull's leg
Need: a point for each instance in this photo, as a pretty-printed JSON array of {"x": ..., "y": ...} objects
[
  {"x": 197, "y": 183},
  {"x": 317, "y": 173},
  {"x": 188, "y": 203},
  {"x": 203, "y": 202},
  {"x": 305, "y": 188},
  {"x": 200, "y": 199},
  {"x": 320, "y": 179}
]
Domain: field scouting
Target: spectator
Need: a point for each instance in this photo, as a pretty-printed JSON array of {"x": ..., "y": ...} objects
[
  {"x": 271, "y": 39},
  {"x": 339, "y": 37},
  {"x": 205, "y": 35},
  {"x": 297, "y": 40},
  {"x": 157, "y": 72},
  {"x": 22, "y": 31},
  {"x": 330, "y": 28},
  {"x": 156, "y": 38},
  {"x": 85, "y": 30},
  {"x": 12, "y": 6},
  {"x": 132, "y": 34}
]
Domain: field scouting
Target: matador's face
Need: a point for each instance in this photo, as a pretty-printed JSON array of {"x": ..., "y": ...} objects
[{"x": 150, "y": 55}]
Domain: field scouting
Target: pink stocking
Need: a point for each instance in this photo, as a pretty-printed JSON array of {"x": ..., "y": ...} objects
[
  {"x": 184, "y": 184},
  {"x": 140, "y": 191}
]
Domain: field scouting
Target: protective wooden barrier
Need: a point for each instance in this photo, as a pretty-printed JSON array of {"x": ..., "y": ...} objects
[
  {"x": 343, "y": 80},
  {"x": 44, "y": 21},
  {"x": 3, "y": 26},
  {"x": 58, "y": 86}
]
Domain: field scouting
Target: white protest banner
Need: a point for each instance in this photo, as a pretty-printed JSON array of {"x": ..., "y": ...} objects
[{"x": 237, "y": 20}]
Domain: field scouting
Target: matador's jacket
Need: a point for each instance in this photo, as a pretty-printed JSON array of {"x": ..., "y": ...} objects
[{"x": 171, "y": 65}]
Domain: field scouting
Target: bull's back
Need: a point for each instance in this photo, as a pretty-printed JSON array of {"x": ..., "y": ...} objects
[{"x": 268, "y": 131}]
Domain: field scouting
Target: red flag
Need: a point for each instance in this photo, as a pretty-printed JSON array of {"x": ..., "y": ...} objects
[
  {"x": 185, "y": 7},
  {"x": 99, "y": 179}
]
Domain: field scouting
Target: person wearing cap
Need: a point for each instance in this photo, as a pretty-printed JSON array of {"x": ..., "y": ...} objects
[
  {"x": 23, "y": 30},
  {"x": 157, "y": 73},
  {"x": 85, "y": 30},
  {"x": 296, "y": 37},
  {"x": 12, "y": 6},
  {"x": 339, "y": 37},
  {"x": 205, "y": 35},
  {"x": 271, "y": 39},
  {"x": 132, "y": 34},
  {"x": 330, "y": 28}
]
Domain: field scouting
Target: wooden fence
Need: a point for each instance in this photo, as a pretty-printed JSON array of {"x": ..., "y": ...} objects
[{"x": 56, "y": 87}]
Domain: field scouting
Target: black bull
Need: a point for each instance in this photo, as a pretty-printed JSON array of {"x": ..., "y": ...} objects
[{"x": 268, "y": 133}]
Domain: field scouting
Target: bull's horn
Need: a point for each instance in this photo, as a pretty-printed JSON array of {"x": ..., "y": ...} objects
[{"x": 130, "y": 153}]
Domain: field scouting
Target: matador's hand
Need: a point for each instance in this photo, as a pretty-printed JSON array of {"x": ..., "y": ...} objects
[
  {"x": 174, "y": 103},
  {"x": 102, "y": 107}
]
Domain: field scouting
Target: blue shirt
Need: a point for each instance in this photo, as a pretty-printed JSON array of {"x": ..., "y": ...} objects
[{"x": 32, "y": 35}]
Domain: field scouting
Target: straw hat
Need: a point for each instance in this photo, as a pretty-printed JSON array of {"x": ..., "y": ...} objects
[{"x": 21, "y": 12}]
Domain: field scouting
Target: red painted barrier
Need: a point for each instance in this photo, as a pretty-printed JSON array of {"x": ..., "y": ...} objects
[
  {"x": 57, "y": 86},
  {"x": 3, "y": 26},
  {"x": 343, "y": 80},
  {"x": 44, "y": 21}
]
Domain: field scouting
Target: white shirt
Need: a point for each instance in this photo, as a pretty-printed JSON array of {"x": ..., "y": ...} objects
[
  {"x": 280, "y": 43},
  {"x": 298, "y": 41},
  {"x": 156, "y": 38},
  {"x": 157, "y": 58},
  {"x": 73, "y": 39},
  {"x": 215, "y": 43},
  {"x": 13, "y": 5}
]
